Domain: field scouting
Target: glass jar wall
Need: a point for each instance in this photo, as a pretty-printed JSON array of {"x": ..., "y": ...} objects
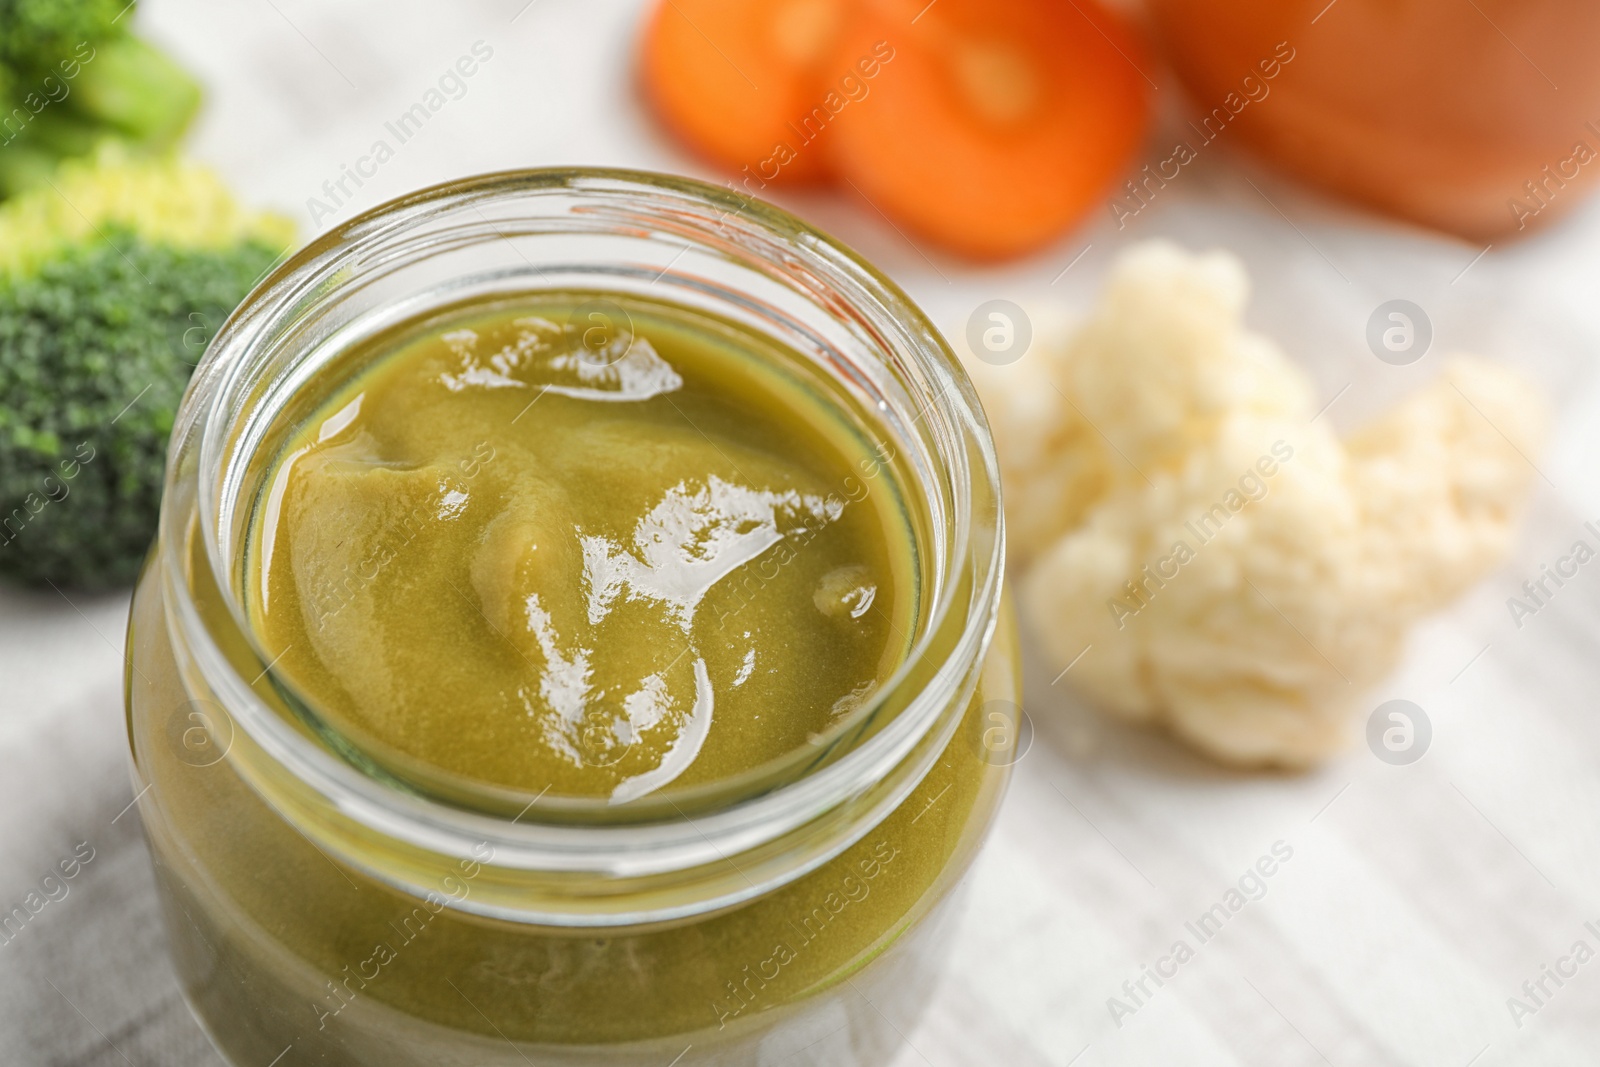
[{"x": 325, "y": 909}]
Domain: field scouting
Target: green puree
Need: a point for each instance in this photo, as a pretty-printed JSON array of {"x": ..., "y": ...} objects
[
  {"x": 521, "y": 546},
  {"x": 559, "y": 544}
]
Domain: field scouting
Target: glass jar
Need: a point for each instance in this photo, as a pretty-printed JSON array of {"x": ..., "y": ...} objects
[
  {"x": 322, "y": 910},
  {"x": 1475, "y": 117}
]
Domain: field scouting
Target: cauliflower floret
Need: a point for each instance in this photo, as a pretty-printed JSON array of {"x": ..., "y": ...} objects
[
  {"x": 1145, "y": 370},
  {"x": 1443, "y": 474},
  {"x": 1233, "y": 570},
  {"x": 1049, "y": 455}
]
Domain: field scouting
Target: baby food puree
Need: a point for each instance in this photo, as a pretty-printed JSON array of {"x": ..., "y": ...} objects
[{"x": 561, "y": 544}]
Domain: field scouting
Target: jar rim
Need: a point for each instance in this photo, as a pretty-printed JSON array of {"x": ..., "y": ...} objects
[{"x": 731, "y": 816}]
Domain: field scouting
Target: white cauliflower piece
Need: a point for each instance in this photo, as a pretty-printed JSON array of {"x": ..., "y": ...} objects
[
  {"x": 1049, "y": 455},
  {"x": 1444, "y": 473},
  {"x": 1234, "y": 571}
]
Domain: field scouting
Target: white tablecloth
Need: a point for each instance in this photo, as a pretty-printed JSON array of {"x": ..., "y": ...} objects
[{"x": 1416, "y": 900}]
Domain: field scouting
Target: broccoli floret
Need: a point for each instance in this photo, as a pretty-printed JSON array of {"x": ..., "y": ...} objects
[
  {"x": 72, "y": 76},
  {"x": 101, "y": 324},
  {"x": 31, "y": 30}
]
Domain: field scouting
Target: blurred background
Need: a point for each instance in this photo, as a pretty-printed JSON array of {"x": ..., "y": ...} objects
[{"x": 1424, "y": 152}]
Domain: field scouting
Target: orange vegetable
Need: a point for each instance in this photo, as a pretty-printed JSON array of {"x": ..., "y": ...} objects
[
  {"x": 1445, "y": 112},
  {"x": 996, "y": 123},
  {"x": 986, "y": 126},
  {"x": 730, "y": 76}
]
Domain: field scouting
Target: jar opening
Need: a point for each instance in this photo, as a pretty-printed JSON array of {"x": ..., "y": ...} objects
[{"x": 635, "y": 235}]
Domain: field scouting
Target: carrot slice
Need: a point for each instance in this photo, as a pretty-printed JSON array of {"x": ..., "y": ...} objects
[
  {"x": 730, "y": 76},
  {"x": 994, "y": 124}
]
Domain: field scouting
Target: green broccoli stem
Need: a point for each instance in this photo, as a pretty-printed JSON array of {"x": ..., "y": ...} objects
[{"x": 137, "y": 90}]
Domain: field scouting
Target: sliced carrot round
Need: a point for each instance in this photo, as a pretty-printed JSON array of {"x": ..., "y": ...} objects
[
  {"x": 733, "y": 78},
  {"x": 992, "y": 125}
]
